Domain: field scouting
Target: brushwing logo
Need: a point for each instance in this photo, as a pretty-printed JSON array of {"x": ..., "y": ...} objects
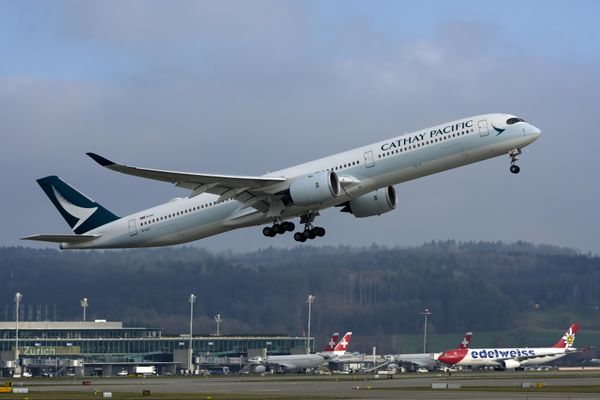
[
  {"x": 498, "y": 130},
  {"x": 81, "y": 213}
]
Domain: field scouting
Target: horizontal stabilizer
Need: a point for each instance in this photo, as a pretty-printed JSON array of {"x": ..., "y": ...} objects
[{"x": 62, "y": 238}]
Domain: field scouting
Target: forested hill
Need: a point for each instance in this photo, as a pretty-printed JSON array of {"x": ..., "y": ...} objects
[{"x": 374, "y": 290}]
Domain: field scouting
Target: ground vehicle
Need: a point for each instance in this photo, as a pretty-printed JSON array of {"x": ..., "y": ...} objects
[{"x": 145, "y": 370}]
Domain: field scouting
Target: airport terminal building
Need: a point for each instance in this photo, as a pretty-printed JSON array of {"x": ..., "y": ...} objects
[{"x": 106, "y": 348}]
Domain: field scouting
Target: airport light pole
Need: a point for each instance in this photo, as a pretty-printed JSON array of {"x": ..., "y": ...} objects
[
  {"x": 310, "y": 300},
  {"x": 218, "y": 320},
  {"x": 18, "y": 297},
  {"x": 425, "y": 313},
  {"x": 190, "y": 351},
  {"x": 84, "y": 305}
]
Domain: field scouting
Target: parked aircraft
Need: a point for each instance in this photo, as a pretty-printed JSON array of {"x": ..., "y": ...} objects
[
  {"x": 422, "y": 360},
  {"x": 359, "y": 181},
  {"x": 511, "y": 358},
  {"x": 300, "y": 362}
]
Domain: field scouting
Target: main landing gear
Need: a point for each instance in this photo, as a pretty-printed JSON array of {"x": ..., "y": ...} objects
[
  {"x": 514, "y": 168},
  {"x": 310, "y": 231},
  {"x": 278, "y": 228}
]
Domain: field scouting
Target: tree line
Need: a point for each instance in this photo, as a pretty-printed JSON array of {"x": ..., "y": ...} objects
[{"x": 373, "y": 290}]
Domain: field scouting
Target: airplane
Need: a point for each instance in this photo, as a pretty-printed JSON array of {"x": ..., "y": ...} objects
[
  {"x": 359, "y": 181},
  {"x": 300, "y": 362},
  {"x": 422, "y": 360},
  {"x": 511, "y": 358}
]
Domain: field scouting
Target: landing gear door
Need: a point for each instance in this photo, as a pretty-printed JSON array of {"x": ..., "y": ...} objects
[
  {"x": 132, "y": 227},
  {"x": 483, "y": 128},
  {"x": 369, "y": 159}
]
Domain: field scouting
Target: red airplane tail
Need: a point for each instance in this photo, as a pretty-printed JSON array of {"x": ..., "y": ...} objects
[
  {"x": 567, "y": 340},
  {"x": 466, "y": 342},
  {"x": 342, "y": 346},
  {"x": 330, "y": 346}
]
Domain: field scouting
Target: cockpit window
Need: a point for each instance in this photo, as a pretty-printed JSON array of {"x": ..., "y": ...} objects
[{"x": 514, "y": 120}]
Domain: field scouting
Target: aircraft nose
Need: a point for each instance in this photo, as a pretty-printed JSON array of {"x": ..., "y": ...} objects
[
  {"x": 448, "y": 358},
  {"x": 451, "y": 357},
  {"x": 535, "y": 132}
]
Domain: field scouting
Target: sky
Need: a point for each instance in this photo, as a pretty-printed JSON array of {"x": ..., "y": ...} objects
[{"x": 246, "y": 87}]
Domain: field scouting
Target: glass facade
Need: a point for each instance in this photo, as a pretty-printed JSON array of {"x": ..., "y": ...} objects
[{"x": 112, "y": 343}]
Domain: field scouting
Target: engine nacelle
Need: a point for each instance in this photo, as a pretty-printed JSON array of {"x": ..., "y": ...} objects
[
  {"x": 260, "y": 369},
  {"x": 373, "y": 203},
  {"x": 510, "y": 364},
  {"x": 315, "y": 188}
]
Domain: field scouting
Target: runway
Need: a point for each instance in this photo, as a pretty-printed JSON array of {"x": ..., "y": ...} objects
[{"x": 491, "y": 385}]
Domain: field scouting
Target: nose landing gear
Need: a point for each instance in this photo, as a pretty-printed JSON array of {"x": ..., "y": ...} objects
[{"x": 514, "y": 168}]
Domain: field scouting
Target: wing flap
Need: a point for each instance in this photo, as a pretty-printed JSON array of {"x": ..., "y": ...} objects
[{"x": 62, "y": 238}]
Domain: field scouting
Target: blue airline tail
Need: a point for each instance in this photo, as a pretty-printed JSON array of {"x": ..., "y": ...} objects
[{"x": 81, "y": 213}]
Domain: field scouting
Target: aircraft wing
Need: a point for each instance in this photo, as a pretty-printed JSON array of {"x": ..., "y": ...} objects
[
  {"x": 423, "y": 362},
  {"x": 255, "y": 191},
  {"x": 62, "y": 238},
  {"x": 418, "y": 359},
  {"x": 283, "y": 364},
  {"x": 277, "y": 364}
]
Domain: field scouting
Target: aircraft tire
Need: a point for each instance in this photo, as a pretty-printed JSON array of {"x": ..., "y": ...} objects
[
  {"x": 515, "y": 169},
  {"x": 319, "y": 231},
  {"x": 279, "y": 228},
  {"x": 299, "y": 237}
]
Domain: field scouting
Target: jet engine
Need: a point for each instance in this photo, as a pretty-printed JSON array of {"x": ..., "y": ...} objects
[
  {"x": 373, "y": 203},
  {"x": 315, "y": 188},
  {"x": 260, "y": 369},
  {"x": 510, "y": 364}
]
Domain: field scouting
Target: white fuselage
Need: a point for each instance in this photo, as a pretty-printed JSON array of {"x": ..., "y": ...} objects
[
  {"x": 389, "y": 162},
  {"x": 495, "y": 356},
  {"x": 295, "y": 362}
]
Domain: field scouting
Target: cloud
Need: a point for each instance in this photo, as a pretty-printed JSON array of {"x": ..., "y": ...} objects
[{"x": 246, "y": 87}]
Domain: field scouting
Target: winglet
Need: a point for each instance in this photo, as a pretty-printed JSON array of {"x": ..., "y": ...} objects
[{"x": 100, "y": 160}]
